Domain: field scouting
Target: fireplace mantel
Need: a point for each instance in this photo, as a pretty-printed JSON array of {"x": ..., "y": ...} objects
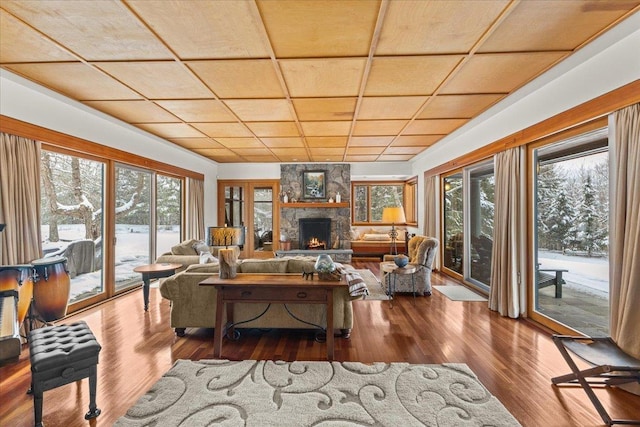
[{"x": 315, "y": 205}]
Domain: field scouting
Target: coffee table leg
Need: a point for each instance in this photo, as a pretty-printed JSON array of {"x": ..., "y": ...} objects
[
  {"x": 219, "y": 328},
  {"x": 330, "y": 338}
]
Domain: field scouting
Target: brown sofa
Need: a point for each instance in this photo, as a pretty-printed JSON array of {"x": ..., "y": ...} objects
[{"x": 194, "y": 306}]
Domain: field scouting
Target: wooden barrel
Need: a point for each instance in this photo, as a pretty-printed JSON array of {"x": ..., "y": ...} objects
[
  {"x": 51, "y": 288},
  {"x": 18, "y": 278}
]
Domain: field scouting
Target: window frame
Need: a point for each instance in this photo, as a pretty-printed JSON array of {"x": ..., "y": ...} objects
[{"x": 409, "y": 201}]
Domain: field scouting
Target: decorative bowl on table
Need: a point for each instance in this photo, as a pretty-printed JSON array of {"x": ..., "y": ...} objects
[
  {"x": 326, "y": 268},
  {"x": 401, "y": 260}
]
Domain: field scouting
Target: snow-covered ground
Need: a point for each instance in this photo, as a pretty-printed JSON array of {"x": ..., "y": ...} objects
[
  {"x": 132, "y": 250},
  {"x": 590, "y": 275}
]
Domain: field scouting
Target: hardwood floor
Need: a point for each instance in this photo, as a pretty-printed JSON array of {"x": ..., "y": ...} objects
[{"x": 514, "y": 359}]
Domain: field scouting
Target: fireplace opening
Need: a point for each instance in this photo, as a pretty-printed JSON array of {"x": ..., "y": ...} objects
[{"x": 315, "y": 233}]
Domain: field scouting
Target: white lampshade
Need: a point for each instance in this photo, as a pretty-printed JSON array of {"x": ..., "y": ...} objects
[{"x": 393, "y": 215}]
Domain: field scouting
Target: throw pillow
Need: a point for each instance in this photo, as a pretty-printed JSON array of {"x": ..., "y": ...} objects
[
  {"x": 184, "y": 248},
  {"x": 200, "y": 246},
  {"x": 206, "y": 257},
  {"x": 375, "y": 237}
]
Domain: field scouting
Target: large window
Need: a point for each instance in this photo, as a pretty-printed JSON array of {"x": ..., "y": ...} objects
[
  {"x": 133, "y": 223},
  {"x": 571, "y": 277},
  {"x": 468, "y": 214},
  {"x": 453, "y": 221},
  {"x": 370, "y": 198},
  {"x": 480, "y": 199},
  {"x": 147, "y": 221},
  {"x": 168, "y": 213},
  {"x": 72, "y": 220}
]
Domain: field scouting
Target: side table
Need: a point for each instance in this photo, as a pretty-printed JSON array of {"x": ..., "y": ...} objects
[
  {"x": 154, "y": 271},
  {"x": 389, "y": 268}
]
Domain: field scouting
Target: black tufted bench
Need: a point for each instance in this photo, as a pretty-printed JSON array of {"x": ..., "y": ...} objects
[{"x": 60, "y": 355}]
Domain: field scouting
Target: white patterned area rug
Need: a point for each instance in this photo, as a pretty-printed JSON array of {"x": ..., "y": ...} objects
[
  {"x": 459, "y": 293},
  {"x": 376, "y": 291},
  {"x": 268, "y": 393}
]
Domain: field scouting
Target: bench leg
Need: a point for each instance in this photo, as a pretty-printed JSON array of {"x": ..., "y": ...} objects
[
  {"x": 558, "y": 284},
  {"x": 93, "y": 408},
  {"x": 37, "y": 406}
]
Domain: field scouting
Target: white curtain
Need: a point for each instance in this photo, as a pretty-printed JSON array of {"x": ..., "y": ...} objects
[
  {"x": 19, "y": 199},
  {"x": 625, "y": 231},
  {"x": 506, "y": 294},
  {"x": 431, "y": 209},
  {"x": 195, "y": 209}
]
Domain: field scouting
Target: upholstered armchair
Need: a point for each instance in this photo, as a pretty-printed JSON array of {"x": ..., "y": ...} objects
[{"x": 421, "y": 252}]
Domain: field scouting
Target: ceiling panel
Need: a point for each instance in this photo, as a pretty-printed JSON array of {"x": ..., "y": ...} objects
[
  {"x": 283, "y": 142},
  {"x": 21, "y": 43},
  {"x": 238, "y": 143},
  {"x": 205, "y": 29},
  {"x": 171, "y": 130},
  {"x": 274, "y": 129},
  {"x": 326, "y": 128},
  {"x": 249, "y": 78},
  {"x": 134, "y": 111},
  {"x": 326, "y": 141},
  {"x": 157, "y": 80},
  {"x": 390, "y": 107},
  {"x": 323, "y": 77},
  {"x": 458, "y": 106},
  {"x": 370, "y": 141},
  {"x": 559, "y": 25},
  {"x": 289, "y": 80},
  {"x": 75, "y": 80},
  {"x": 411, "y": 75},
  {"x": 315, "y": 28},
  {"x": 427, "y": 26},
  {"x": 313, "y": 109},
  {"x": 378, "y": 127},
  {"x": 499, "y": 73},
  {"x": 97, "y": 31},
  {"x": 257, "y": 110},
  {"x": 190, "y": 143},
  {"x": 416, "y": 140},
  {"x": 222, "y": 130},
  {"x": 433, "y": 126},
  {"x": 198, "y": 110}
]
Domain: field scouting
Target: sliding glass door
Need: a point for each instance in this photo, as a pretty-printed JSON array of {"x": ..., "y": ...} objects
[
  {"x": 479, "y": 220},
  {"x": 453, "y": 222},
  {"x": 133, "y": 219},
  {"x": 571, "y": 275},
  {"x": 72, "y": 220}
]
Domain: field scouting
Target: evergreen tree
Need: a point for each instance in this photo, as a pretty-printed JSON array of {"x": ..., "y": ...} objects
[
  {"x": 588, "y": 220},
  {"x": 549, "y": 182}
]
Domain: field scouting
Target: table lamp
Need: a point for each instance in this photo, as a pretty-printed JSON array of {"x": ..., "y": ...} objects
[{"x": 393, "y": 215}]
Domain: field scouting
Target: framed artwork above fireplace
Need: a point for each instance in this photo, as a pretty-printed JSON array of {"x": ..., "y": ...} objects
[{"x": 314, "y": 185}]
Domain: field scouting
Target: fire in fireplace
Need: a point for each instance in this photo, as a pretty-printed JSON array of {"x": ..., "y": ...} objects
[{"x": 315, "y": 233}]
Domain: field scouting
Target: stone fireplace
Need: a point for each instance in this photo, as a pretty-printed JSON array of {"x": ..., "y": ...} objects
[
  {"x": 338, "y": 180},
  {"x": 314, "y": 233}
]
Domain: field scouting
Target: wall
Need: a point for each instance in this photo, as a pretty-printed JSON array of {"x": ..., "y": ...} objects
[
  {"x": 338, "y": 180},
  {"x": 607, "y": 63},
  {"x": 23, "y": 100}
]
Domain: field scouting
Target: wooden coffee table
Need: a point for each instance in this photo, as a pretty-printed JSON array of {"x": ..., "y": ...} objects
[
  {"x": 270, "y": 289},
  {"x": 154, "y": 271}
]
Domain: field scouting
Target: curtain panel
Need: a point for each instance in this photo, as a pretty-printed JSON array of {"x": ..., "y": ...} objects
[
  {"x": 195, "y": 209},
  {"x": 20, "y": 199},
  {"x": 624, "y": 274},
  {"x": 507, "y": 295},
  {"x": 431, "y": 209}
]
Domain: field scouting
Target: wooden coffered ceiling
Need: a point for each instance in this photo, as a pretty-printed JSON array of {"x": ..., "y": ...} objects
[{"x": 299, "y": 80}]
